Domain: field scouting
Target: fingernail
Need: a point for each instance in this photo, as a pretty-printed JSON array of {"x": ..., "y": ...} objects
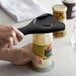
[{"x": 39, "y": 61}]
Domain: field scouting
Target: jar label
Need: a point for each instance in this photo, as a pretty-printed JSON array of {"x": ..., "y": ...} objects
[{"x": 42, "y": 51}]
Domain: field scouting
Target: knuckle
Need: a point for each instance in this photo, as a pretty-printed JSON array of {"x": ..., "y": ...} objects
[
  {"x": 10, "y": 28},
  {"x": 10, "y": 39},
  {"x": 13, "y": 27},
  {"x": 12, "y": 33}
]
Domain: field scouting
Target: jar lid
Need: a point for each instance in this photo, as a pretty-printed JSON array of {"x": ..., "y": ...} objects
[
  {"x": 69, "y": 1},
  {"x": 59, "y": 7}
]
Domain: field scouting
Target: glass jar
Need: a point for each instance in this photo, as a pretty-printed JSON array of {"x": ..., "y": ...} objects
[
  {"x": 59, "y": 11},
  {"x": 42, "y": 46},
  {"x": 71, "y": 8},
  {"x": 73, "y": 36}
]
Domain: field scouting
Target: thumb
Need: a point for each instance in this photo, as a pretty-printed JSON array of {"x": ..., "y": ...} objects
[{"x": 36, "y": 59}]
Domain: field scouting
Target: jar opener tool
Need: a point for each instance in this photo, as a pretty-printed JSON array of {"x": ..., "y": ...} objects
[{"x": 45, "y": 23}]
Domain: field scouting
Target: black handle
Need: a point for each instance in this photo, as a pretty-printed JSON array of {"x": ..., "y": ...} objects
[{"x": 27, "y": 29}]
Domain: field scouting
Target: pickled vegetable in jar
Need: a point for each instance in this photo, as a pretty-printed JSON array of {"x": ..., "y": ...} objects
[
  {"x": 59, "y": 11},
  {"x": 42, "y": 45}
]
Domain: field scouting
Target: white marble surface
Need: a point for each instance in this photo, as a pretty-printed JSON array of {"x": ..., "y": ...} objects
[{"x": 65, "y": 55}]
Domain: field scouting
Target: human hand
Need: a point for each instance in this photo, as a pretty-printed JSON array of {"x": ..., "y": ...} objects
[
  {"x": 20, "y": 56},
  {"x": 9, "y": 36}
]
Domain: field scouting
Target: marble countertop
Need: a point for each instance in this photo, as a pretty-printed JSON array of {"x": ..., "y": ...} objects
[{"x": 65, "y": 55}]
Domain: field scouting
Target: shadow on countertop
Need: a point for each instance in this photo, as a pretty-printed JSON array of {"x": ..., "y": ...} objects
[{"x": 8, "y": 69}]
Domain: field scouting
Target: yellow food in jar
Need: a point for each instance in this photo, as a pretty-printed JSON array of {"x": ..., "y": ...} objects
[
  {"x": 42, "y": 39},
  {"x": 46, "y": 63},
  {"x": 59, "y": 11}
]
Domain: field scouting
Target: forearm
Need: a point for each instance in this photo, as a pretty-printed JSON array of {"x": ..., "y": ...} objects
[{"x": 19, "y": 56}]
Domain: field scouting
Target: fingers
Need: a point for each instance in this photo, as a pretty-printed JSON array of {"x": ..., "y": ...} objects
[
  {"x": 19, "y": 35},
  {"x": 15, "y": 40},
  {"x": 11, "y": 39},
  {"x": 15, "y": 34},
  {"x": 10, "y": 44},
  {"x": 30, "y": 55},
  {"x": 6, "y": 40},
  {"x": 36, "y": 58},
  {"x": 9, "y": 36}
]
